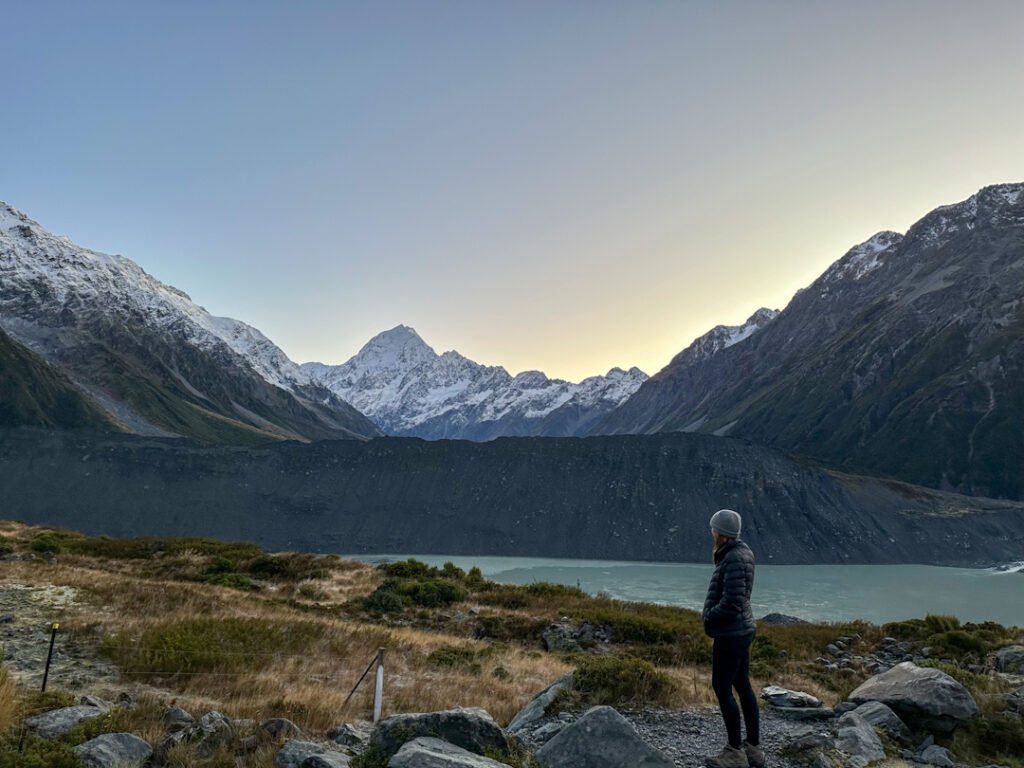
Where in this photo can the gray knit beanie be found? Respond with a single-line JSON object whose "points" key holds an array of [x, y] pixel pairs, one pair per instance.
{"points": [[727, 523]]}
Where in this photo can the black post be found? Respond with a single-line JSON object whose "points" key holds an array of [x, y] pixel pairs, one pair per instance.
{"points": [[49, 655]]}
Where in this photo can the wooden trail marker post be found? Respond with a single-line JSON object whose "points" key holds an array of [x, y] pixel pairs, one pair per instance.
{"points": [[49, 654]]}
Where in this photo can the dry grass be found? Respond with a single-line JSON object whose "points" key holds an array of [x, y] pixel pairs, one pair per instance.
{"points": [[308, 685], [8, 701]]}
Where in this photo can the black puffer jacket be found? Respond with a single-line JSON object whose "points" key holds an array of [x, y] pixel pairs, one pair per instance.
{"points": [[727, 610]]}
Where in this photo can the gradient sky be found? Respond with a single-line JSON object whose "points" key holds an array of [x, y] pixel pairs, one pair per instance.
{"points": [[556, 185]]}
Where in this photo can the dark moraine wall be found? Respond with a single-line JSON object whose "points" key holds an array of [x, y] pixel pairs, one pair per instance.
{"points": [[622, 497]]}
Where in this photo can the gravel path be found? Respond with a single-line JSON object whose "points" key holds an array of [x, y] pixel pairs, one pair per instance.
{"points": [[26, 613], [691, 735]]}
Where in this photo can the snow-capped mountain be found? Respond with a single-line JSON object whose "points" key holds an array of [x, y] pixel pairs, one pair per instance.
{"points": [[722, 337], [904, 358], [406, 388], [156, 360]]}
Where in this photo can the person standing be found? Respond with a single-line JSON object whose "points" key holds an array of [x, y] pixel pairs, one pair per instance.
{"points": [[729, 620]]}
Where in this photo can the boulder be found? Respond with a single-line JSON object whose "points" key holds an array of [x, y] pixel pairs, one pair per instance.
{"points": [[280, 728], [780, 618], [469, 728], [809, 739], [1015, 700], [857, 738], [177, 719], [93, 701], [881, 716], [57, 722], [785, 698], [1011, 659], [601, 738], [114, 750], [922, 697], [348, 735], [213, 732], [294, 753], [428, 752], [326, 760], [935, 755], [547, 731], [539, 704]]}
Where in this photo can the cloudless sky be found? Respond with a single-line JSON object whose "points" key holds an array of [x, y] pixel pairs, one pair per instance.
{"points": [[558, 185]]}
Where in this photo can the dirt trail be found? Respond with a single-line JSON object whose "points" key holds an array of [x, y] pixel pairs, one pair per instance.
{"points": [[26, 614]]}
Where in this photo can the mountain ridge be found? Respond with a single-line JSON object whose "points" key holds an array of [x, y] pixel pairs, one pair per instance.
{"points": [[148, 354], [904, 359]]}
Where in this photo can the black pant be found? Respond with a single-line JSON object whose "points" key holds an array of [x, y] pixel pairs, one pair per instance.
{"points": [[730, 668]]}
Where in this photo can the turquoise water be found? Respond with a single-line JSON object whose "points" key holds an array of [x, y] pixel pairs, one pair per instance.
{"points": [[876, 593]]}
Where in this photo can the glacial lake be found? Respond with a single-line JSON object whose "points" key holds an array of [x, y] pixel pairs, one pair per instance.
{"points": [[876, 593]]}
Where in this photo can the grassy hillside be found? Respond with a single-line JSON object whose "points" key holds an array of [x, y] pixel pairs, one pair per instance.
{"points": [[227, 626], [33, 393]]}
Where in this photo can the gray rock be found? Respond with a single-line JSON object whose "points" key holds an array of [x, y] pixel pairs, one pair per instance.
{"points": [[843, 707], [936, 755], [280, 728], [928, 741], [547, 731], [92, 701], [601, 738], [177, 719], [114, 750], [784, 698], [1015, 699], [6, 618], [294, 752], [881, 716], [808, 739], [326, 760], [560, 637], [858, 739], [213, 732], [538, 705], [428, 752], [922, 697], [1011, 659], [780, 618], [822, 760], [470, 728], [57, 722], [348, 735], [803, 713]]}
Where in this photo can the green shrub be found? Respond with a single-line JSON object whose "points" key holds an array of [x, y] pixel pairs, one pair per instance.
{"points": [[408, 569], [935, 624], [219, 565], [436, 593], [208, 645], [6, 545], [629, 627], [233, 580], [992, 737], [48, 542], [956, 642], [450, 656], [520, 628], [383, 600], [501, 673], [37, 753], [617, 680]]}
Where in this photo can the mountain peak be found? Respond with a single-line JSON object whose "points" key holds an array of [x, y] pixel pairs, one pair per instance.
{"points": [[399, 348]]}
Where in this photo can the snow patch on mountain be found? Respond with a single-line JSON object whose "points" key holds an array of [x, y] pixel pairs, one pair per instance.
{"points": [[401, 383], [722, 337]]}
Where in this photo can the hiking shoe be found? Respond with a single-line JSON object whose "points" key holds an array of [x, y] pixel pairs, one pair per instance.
{"points": [[730, 757], [755, 755]]}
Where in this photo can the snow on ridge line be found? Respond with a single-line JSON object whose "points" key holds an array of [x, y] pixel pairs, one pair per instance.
{"points": [[113, 280]]}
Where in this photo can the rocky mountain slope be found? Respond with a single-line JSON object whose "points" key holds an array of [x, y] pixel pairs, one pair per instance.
{"points": [[406, 388], [34, 393], [905, 358], [625, 498], [154, 360]]}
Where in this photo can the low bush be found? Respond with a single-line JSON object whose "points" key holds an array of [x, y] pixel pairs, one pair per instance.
{"points": [[510, 628], [207, 645], [383, 600], [621, 680], [450, 656], [233, 580]]}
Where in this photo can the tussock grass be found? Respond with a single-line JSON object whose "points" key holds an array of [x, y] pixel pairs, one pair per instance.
{"points": [[8, 703]]}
